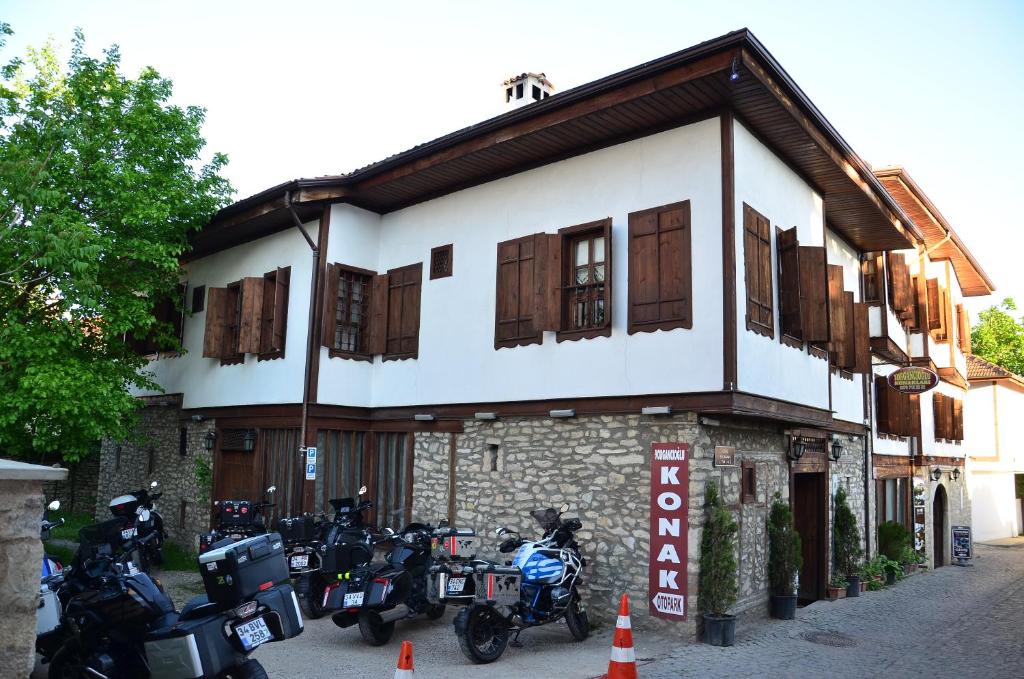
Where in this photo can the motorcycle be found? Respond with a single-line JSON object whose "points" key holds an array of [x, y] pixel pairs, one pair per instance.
{"points": [[140, 507], [322, 553], [121, 624], [51, 578], [236, 520], [540, 587]]}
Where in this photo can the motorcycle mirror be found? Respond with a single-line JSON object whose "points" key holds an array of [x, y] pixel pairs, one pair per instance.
{"points": [[501, 531], [362, 490], [53, 506], [271, 490], [154, 484], [389, 531], [564, 508]]}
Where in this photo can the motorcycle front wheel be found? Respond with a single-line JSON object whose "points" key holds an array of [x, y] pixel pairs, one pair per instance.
{"points": [[483, 634], [66, 663], [375, 633], [313, 601], [576, 618]]}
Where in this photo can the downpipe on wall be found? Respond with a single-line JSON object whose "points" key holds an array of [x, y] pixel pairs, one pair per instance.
{"points": [[311, 344]]}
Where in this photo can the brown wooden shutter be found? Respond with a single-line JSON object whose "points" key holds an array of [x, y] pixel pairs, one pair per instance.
{"points": [[907, 423], [214, 335], [847, 353], [919, 319], [660, 269], [934, 306], [899, 286], [330, 317], [279, 327], [250, 321], [376, 338], [789, 283], [813, 294], [958, 420], [947, 315], [861, 339], [836, 315], [963, 328], [914, 401], [896, 420], [939, 414], [412, 285], [515, 321], [874, 277], [548, 281], [757, 259], [882, 399]]}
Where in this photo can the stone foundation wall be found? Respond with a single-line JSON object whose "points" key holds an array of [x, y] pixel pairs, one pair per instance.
{"points": [[155, 455], [958, 511], [848, 472], [21, 553], [78, 492]]}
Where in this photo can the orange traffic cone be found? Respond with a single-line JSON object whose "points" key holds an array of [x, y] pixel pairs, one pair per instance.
{"points": [[404, 668], [622, 664]]}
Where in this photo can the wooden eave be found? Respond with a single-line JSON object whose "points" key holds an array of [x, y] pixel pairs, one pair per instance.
{"points": [[940, 239], [675, 90]]}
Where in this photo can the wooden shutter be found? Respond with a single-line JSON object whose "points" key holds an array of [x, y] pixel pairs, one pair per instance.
{"points": [[757, 260], [330, 315], [250, 321], [914, 403], [846, 354], [789, 283], [958, 420], [882, 399], [907, 416], [874, 277], [947, 316], [813, 294], [660, 269], [403, 315], [548, 281], [214, 335], [861, 339], [275, 310], [836, 316], [919, 319], [963, 329], [934, 308], [376, 338], [896, 419], [939, 415], [899, 286], [517, 293]]}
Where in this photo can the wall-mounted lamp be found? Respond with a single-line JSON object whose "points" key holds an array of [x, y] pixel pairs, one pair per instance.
{"points": [[656, 410], [734, 74], [835, 450], [486, 416], [568, 412], [796, 448], [423, 417], [955, 473], [249, 441], [211, 438], [936, 474]]}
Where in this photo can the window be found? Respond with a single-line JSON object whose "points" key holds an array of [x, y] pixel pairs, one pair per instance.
{"points": [[348, 333], [757, 267], [274, 318], [508, 95], [441, 261], [874, 277], [948, 416], [248, 317], [535, 91], [150, 461], [182, 513], [963, 329], [749, 482], [584, 298], [169, 311], [803, 304], [519, 91], [939, 311], [198, 298], [383, 462], [660, 273], [896, 413], [182, 442], [892, 497], [515, 315]]}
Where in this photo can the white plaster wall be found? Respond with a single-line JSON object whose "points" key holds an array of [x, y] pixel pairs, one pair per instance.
{"points": [[928, 443], [457, 360], [980, 420], [995, 511], [765, 366], [204, 381]]}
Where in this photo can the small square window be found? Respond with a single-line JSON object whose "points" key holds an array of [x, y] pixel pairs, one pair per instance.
{"points": [[508, 95], [198, 298], [749, 483], [519, 91], [536, 93], [441, 261]]}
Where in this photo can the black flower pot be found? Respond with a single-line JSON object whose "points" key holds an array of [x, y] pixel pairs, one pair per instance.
{"points": [[853, 589], [890, 577], [719, 630], [783, 607]]}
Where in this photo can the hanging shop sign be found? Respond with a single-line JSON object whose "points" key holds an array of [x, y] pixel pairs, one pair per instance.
{"points": [[962, 542], [913, 380], [670, 483]]}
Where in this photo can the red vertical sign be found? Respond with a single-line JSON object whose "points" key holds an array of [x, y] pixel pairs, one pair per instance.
{"points": [[670, 484]]}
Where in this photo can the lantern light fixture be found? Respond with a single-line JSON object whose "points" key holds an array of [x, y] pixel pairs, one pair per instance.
{"points": [[249, 441], [796, 448], [936, 474], [955, 474], [211, 438], [835, 450]]}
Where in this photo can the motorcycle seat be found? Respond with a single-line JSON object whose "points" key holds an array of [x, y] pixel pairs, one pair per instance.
{"points": [[198, 607]]}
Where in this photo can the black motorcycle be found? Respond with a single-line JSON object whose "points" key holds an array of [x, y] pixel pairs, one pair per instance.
{"points": [[320, 554], [50, 580], [378, 595], [140, 507], [237, 520], [539, 586], [120, 625]]}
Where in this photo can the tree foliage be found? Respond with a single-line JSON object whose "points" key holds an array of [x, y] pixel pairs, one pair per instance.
{"points": [[846, 537], [100, 183], [717, 584], [784, 554], [999, 337]]}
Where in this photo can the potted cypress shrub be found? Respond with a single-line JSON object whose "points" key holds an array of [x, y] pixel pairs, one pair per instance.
{"points": [[717, 581], [784, 559], [847, 544]]}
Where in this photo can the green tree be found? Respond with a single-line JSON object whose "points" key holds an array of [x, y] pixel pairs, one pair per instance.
{"points": [[999, 337], [784, 554], [716, 590], [101, 181], [846, 537]]}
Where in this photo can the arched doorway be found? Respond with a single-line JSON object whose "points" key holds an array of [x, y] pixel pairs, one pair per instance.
{"points": [[939, 526]]}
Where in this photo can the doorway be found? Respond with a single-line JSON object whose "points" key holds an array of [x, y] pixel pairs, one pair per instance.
{"points": [[939, 526], [809, 514]]}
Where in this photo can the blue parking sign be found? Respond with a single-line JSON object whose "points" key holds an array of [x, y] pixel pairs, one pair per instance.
{"points": [[311, 471]]}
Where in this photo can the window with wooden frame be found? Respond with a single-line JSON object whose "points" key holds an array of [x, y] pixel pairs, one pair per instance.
{"points": [[347, 303], [518, 290], [381, 461], [873, 268], [948, 417], [892, 501], [249, 316], [939, 311], [757, 267], [585, 302], [198, 298], [748, 484], [896, 413], [441, 261], [963, 329], [660, 269], [901, 296], [169, 311]]}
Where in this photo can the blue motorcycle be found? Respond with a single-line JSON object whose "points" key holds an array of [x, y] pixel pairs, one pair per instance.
{"points": [[538, 587]]}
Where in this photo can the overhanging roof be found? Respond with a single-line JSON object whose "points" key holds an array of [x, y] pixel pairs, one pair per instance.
{"points": [[682, 87], [979, 370], [939, 237]]}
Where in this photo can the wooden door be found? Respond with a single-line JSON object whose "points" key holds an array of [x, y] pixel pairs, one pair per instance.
{"points": [[235, 476], [939, 526], [809, 515]]}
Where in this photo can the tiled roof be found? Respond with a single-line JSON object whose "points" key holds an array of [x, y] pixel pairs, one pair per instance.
{"points": [[980, 369]]}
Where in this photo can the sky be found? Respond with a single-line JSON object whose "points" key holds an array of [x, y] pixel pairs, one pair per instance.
{"points": [[301, 89]]}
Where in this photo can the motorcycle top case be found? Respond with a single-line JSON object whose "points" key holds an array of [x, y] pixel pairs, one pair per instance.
{"points": [[238, 571], [235, 513], [189, 649], [297, 529], [455, 544], [497, 585]]}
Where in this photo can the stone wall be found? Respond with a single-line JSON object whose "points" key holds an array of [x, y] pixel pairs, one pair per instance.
{"points": [[154, 454], [78, 492], [958, 511], [848, 472]]}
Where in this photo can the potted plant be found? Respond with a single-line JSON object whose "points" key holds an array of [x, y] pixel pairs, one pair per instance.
{"points": [[784, 559], [893, 570], [837, 587], [717, 581], [910, 559], [871, 577], [846, 540], [893, 539]]}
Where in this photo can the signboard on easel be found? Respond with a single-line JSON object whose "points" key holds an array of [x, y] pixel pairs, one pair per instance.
{"points": [[961, 543]]}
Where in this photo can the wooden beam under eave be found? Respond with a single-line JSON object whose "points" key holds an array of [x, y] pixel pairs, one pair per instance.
{"points": [[676, 76], [312, 194], [255, 211]]}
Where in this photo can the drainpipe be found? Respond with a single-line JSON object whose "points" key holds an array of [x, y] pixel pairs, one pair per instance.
{"points": [[311, 344]]}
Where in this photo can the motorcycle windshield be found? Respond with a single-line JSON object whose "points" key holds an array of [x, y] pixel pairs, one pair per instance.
{"points": [[547, 518]]}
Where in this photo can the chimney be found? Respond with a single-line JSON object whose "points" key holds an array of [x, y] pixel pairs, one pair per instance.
{"points": [[527, 88]]}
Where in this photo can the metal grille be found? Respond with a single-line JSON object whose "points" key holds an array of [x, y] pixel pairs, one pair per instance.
{"points": [[587, 287], [353, 303], [829, 639]]}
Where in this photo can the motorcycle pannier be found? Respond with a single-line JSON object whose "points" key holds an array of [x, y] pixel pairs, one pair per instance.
{"points": [[456, 544], [297, 529], [498, 585], [240, 570], [282, 600], [348, 553], [450, 584], [189, 648]]}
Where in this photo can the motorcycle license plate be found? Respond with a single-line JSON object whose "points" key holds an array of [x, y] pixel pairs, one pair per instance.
{"points": [[353, 599], [300, 561], [129, 533], [456, 585], [253, 633]]}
